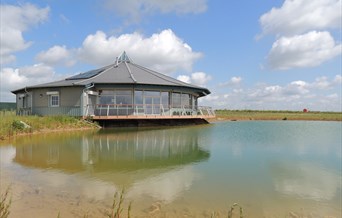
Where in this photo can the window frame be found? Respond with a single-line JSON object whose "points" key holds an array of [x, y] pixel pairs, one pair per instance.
{"points": [[52, 101]]}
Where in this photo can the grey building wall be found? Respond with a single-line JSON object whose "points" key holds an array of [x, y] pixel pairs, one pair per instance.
{"points": [[71, 96], [69, 101], [40, 99], [68, 97]]}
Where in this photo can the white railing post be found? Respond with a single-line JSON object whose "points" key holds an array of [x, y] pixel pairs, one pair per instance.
{"points": [[162, 108], [200, 109], [87, 109], [208, 111]]}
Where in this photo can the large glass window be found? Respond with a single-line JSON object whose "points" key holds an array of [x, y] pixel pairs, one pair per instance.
{"points": [[152, 93], [176, 100], [138, 98], [165, 99], [194, 99], [186, 100], [151, 101], [123, 97], [107, 99]]}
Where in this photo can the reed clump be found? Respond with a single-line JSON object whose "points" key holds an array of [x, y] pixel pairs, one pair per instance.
{"points": [[5, 203], [230, 212], [117, 209]]}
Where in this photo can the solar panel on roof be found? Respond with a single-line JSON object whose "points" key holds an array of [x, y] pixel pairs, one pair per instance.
{"points": [[86, 75]]}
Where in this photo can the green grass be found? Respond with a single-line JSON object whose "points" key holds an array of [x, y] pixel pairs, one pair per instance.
{"points": [[277, 115], [11, 124]]}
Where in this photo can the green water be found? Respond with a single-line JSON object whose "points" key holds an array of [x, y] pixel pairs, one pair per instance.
{"points": [[271, 169]]}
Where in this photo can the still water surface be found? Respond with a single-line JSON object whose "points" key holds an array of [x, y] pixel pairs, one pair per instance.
{"points": [[271, 169]]}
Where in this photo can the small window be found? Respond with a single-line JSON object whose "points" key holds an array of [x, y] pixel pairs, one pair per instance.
{"points": [[54, 100]]}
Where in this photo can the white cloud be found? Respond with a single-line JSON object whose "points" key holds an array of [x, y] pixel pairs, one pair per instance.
{"points": [[12, 79], [322, 94], [300, 16], [163, 51], [136, 9], [197, 78], [170, 185], [296, 88], [37, 72], [234, 81], [338, 79], [307, 181], [14, 20], [308, 50], [184, 78], [56, 55], [301, 28], [200, 78], [210, 98], [267, 91], [322, 83]]}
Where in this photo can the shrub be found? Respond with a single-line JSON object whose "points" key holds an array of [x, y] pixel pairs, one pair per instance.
{"points": [[17, 125]]}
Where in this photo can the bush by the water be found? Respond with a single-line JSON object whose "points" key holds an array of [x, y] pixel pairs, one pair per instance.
{"points": [[17, 125]]}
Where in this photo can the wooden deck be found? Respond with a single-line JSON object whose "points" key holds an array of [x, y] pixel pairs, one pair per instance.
{"points": [[151, 117]]}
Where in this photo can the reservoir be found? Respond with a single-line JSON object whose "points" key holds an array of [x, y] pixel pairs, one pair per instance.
{"points": [[269, 168]]}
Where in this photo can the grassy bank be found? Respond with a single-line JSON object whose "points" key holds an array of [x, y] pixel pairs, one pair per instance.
{"points": [[12, 125], [277, 115]]}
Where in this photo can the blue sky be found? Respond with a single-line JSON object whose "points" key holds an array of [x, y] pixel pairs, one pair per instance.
{"points": [[272, 55]]}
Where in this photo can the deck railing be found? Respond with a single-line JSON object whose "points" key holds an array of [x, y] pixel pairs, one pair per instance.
{"points": [[107, 110], [70, 111], [123, 110]]}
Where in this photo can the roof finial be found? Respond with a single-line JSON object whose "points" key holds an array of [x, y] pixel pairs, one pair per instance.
{"points": [[124, 58]]}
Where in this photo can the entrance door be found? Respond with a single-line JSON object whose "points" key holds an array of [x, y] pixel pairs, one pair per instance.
{"points": [[152, 105]]}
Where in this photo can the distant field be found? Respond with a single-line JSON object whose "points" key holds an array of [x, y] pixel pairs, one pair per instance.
{"points": [[277, 115]]}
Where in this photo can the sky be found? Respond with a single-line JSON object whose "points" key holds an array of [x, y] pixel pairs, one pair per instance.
{"points": [[255, 55]]}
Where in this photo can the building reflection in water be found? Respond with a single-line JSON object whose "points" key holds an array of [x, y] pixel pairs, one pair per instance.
{"points": [[120, 151], [158, 163]]}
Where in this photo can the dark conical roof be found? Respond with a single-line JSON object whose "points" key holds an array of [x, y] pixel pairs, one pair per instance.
{"points": [[123, 71]]}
